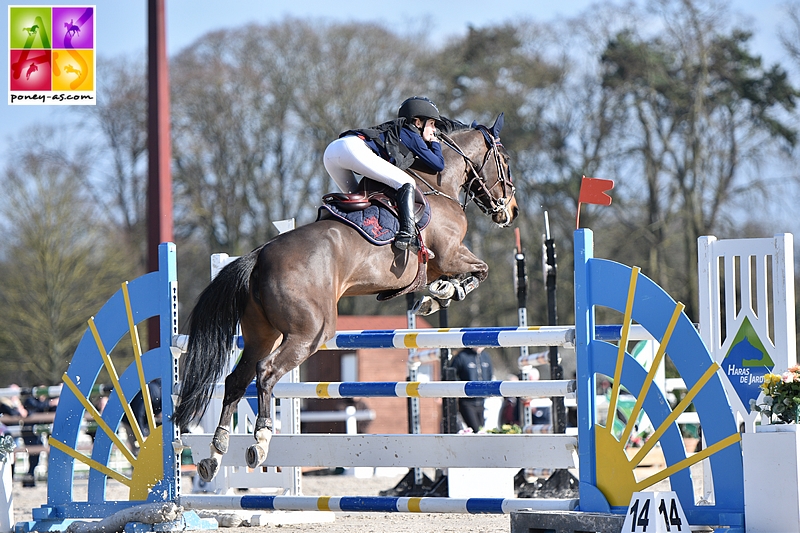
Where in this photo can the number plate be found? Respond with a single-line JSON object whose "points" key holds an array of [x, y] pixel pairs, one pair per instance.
{"points": [[655, 512]]}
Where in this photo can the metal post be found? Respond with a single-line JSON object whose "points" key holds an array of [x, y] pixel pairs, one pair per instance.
{"points": [[559, 413], [449, 405], [521, 286], [414, 423], [159, 148]]}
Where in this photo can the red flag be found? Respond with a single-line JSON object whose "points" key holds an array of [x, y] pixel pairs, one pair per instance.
{"points": [[593, 191]]}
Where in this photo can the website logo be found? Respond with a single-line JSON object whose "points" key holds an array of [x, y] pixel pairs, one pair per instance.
{"points": [[51, 55]]}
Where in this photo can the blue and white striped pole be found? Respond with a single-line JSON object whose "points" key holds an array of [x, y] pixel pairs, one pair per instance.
{"points": [[379, 504]]}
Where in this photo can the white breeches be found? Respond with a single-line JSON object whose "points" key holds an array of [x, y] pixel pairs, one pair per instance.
{"points": [[350, 154]]}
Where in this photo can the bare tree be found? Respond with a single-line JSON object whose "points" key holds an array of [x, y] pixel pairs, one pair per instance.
{"points": [[702, 107], [120, 127], [59, 264]]}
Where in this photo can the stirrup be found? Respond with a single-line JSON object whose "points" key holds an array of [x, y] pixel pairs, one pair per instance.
{"points": [[404, 241]]}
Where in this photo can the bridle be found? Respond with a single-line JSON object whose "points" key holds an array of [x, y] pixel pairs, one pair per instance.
{"points": [[475, 187]]}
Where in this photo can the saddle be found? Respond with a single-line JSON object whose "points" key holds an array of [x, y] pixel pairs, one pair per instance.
{"points": [[372, 210], [370, 192]]}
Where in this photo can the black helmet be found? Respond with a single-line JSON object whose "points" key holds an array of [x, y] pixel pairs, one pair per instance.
{"points": [[418, 106]]}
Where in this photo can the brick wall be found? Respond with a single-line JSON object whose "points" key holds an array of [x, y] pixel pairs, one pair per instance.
{"points": [[373, 365]]}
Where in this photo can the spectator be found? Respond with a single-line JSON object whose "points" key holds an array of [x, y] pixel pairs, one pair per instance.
{"points": [[99, 404], [472, 364], [11, 406], [35, 403], [511, 409]]}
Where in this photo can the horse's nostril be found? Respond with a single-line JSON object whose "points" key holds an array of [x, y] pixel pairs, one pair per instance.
{"points": [[514, 212]]}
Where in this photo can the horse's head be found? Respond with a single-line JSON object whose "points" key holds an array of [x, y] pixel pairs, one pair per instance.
{"points": [[488, 176]]}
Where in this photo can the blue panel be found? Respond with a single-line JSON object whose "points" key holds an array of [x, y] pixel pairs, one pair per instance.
{"points": [[485, 505], [113, 415], [381, 504], [482, 389], [266, 503], [378, 389], [584, 329], [608, 333], [112, 324], [483, 337], [372, 340]]}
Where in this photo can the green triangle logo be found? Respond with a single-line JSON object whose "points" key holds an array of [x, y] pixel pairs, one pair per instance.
{"points": [[747, 332]]}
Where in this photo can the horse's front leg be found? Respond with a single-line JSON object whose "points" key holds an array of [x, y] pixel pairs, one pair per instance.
{"points": [[454, 260], [456, 289], [458, 272], [235, 387]]}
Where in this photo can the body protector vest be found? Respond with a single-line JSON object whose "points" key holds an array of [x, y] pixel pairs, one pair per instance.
{"points": [[387, 137]]}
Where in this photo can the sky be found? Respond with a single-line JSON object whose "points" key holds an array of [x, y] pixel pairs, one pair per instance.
{"points": [[121, 28]]}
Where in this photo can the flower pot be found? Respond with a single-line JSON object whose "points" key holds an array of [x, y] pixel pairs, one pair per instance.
{"points": [[772, 478]]}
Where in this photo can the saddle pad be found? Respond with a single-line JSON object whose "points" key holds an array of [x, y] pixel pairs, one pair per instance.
{"points": [[376, 223]]}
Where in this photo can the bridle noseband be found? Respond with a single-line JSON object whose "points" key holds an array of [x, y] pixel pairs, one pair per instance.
{"points": [[482, 197]]}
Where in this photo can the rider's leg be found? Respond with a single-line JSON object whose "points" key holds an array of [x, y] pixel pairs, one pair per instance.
{"points": [[337, 160], [350, 154], [406, 238]]}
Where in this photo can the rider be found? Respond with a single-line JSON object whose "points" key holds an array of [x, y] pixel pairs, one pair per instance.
{"points": [[384, 152]]}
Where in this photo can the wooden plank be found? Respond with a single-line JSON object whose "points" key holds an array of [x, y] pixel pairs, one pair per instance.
{"points": [[426, 451]]}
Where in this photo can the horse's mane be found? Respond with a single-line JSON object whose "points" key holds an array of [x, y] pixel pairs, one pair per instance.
{"points": [[448, 125]]}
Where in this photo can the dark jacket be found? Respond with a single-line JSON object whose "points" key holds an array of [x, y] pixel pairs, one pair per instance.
{"points": [[472, 366], [401, 145]]}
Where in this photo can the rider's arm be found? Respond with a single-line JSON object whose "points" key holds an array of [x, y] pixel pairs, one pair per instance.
{"points": [[431, 154]]}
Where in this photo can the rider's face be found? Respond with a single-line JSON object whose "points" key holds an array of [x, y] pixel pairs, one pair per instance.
{"points": [[428, 129]]}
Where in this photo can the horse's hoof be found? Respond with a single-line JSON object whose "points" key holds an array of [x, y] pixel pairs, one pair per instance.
{"points": [[255, 455], [464, 287], [425, 306], [207, 469], [442, 289]]}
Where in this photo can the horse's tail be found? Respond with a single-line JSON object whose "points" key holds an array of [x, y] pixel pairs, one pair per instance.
{"points": [[212, 330]]}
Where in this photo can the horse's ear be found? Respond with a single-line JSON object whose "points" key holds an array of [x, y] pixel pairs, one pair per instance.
{"points": [[498, 125]]}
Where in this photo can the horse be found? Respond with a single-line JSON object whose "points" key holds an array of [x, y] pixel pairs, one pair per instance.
{"points": [[71, 29], [33, 68], [284, 294]]}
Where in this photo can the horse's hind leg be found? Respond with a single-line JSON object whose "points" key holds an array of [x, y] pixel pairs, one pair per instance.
{"points": [[287, 356], [262, 431], [235, 387]]}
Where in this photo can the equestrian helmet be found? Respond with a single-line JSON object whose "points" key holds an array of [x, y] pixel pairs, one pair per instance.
{"points": [[418, 106]]}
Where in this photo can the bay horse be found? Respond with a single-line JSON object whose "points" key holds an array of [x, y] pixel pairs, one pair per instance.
{"points": [[284, 294]]}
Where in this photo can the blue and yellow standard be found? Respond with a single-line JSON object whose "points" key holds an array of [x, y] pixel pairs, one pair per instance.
{"points": [[608, 459], [152, 474]]}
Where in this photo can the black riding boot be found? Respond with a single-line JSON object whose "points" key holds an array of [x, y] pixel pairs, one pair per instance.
{"points": [[406, 238]]}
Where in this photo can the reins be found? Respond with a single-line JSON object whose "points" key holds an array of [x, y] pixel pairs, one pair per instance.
{"points": [[474, 177]]}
